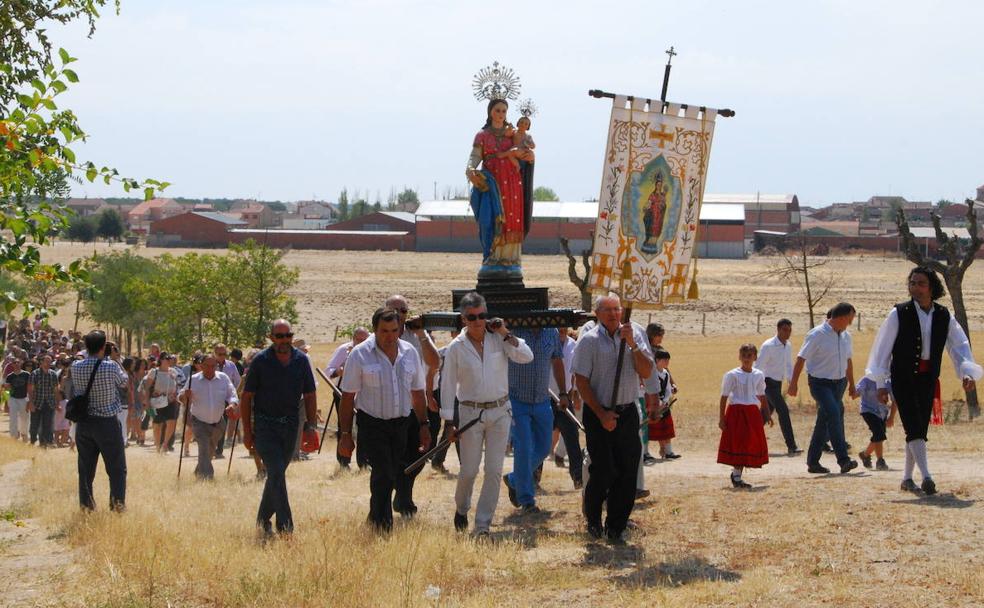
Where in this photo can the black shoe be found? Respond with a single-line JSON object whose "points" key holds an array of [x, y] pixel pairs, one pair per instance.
{"points": [[672, 455], [929, 486], [881, 465], [848, 466], [649, 460], [614, 538], [512, 491], [460, 522], [440, 468], [817, 468], [218, 457], [909, 486], [595, 531], [559, 461], [640, 494], [529, 509], [794, 451], [865, 459]]}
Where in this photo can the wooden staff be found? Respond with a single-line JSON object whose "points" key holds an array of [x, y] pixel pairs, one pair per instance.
{"points": [[647, 419], [568, 411], [626, 315], [184, 424], [416, 464], [235, 431], [336, 397]]}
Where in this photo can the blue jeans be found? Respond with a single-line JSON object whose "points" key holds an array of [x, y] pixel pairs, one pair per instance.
{"points": [[829, 396], [274, 442], [532, 433]]}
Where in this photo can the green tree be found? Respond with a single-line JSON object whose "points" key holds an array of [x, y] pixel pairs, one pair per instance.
{"points": [[82, 229], [110, 225], [408, 200], [542, 193], [360, 208], [343, 205], [263, 283], [36, 136], [112, 298], [44, 295]]}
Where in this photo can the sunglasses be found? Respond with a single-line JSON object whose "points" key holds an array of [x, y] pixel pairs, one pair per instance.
{"points": [[481, 315], [289, 334]]}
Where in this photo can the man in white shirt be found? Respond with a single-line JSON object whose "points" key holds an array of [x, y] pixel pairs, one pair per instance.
{"points": [[908, 351], [775, 359], [335, 369], [384, 380], [826, 354], [475, 370], [212, 399]]}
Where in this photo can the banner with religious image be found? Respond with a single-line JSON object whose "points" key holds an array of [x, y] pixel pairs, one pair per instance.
{"points": [[651, 190]]}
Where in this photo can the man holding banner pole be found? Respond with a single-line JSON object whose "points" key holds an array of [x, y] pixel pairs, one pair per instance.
{"points": [[611, 425]]}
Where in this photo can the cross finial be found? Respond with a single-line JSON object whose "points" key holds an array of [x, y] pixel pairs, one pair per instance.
{"points": [[672, 54]]}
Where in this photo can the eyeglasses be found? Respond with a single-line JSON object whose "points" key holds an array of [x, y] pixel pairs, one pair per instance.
{"points": [[481, 315], [281, 336]]}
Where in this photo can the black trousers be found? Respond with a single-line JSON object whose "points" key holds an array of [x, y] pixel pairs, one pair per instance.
{"points": [[570, 434], [614, 465], [274, 442], [43, 425], [101, 436], [777, 403], [914, 398], [411, 452], [384, 442]]}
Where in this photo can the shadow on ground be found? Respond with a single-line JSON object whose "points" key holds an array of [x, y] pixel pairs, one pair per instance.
{"points": [[676, 573], [942, 501]]}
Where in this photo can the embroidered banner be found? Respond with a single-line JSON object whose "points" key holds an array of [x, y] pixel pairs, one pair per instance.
{"points": [[651, 190]]}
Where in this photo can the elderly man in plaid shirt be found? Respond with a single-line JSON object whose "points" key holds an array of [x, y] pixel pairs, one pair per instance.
{"points": [[532, 414], [101, 432]]}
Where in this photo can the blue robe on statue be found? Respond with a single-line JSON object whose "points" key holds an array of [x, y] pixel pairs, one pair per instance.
{"points": [[487, 207]]}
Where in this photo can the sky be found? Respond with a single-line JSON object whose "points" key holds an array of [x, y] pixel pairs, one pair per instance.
{"points": [[836, 101]]}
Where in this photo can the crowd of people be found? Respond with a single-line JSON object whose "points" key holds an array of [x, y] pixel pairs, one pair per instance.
{"points": [[494, 389]]}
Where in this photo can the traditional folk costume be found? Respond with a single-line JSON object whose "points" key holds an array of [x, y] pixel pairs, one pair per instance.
{"points": [[743, 441], [908, 350], [661, 428]]}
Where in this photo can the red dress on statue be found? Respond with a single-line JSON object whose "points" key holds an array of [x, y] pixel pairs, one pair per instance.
{"points": [[509, 182]]}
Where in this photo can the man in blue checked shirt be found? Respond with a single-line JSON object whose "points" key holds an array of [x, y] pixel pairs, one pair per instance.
{"points": [[100, 433], [532, 423]]}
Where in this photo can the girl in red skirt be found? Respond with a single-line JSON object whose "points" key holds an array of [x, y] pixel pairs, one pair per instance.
{"points": [[742, 433]]}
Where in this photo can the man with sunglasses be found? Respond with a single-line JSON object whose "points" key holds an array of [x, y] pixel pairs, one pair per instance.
{"points": [[477, 373], [611, 426], [277, 379], [415, 336]]}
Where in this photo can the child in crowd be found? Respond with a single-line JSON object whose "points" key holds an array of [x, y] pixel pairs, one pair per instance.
{"points": [[743, 410], [878, 417], [659, 392]]}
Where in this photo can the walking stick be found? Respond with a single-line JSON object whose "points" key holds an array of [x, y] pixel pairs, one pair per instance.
{"points": [[336, 397], [235, 431], [416, 464], [184, 424], [568, 411], [646, 420]]}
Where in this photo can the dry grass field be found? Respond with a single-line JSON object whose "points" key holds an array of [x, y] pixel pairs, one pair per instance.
{"points": [[795, 540]]}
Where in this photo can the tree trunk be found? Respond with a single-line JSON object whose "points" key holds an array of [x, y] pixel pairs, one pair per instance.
{"points": [[78, 309], [954, 285]]}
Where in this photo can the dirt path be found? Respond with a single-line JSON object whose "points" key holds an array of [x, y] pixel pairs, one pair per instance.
{"points": [[32, 558]]}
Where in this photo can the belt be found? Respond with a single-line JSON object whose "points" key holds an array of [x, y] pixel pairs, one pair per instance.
{"points": [[619, 408], [265, 418], [485, 405]]}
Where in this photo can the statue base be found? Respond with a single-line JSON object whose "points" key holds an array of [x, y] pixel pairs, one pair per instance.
{"points": [[493, 277], [527, 307]]}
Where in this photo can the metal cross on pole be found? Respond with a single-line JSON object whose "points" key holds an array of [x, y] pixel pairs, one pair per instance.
{"points": [[666, 74]]}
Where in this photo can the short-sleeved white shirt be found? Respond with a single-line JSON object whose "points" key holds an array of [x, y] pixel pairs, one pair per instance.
{"points": [[743, 387], [382, 388]]}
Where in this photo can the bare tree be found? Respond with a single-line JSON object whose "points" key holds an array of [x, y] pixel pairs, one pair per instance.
{"points": [[958, 255], [583, 284], [796, 265]]}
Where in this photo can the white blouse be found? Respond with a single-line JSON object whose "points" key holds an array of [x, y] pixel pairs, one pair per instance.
{"points": [[743, 387]]}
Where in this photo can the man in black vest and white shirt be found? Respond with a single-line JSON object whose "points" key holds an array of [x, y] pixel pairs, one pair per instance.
{"points": [[908, 350]]}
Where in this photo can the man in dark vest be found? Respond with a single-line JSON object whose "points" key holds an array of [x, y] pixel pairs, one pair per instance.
{"points": [[908, 350]]}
